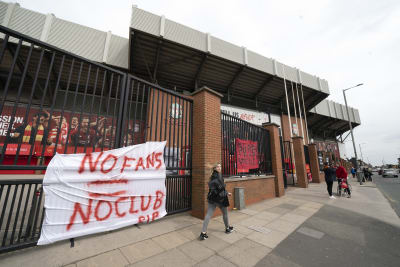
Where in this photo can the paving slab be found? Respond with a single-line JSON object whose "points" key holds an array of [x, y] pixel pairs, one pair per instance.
{"points": [[271, 240], [170, 258], [278, 210], [249, 211], [245, 252], [112, 258], [196, 251], [191, 232], [304, 211], [288, 206], [267, 216], [252, 221], [282, 226], [294, 218], [230, 238], [273, 260], [141, 250], [215, 260], [170, 240], [214, 243]]}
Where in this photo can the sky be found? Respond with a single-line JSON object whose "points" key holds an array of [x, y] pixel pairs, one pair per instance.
{"points": [[346, 42]]}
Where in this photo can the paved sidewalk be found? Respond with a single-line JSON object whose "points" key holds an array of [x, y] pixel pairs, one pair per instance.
{"points": [[264, 234]]}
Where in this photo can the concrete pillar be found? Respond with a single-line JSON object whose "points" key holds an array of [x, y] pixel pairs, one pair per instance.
{"points": [[312, 149], [276, 157], [299, 157], [206, 150]]}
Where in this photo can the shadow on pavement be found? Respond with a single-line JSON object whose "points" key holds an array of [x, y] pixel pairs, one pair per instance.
{"points": [[348, 239]]}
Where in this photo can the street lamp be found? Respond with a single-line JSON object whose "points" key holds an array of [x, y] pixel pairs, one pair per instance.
{"points": [[351, 127]]}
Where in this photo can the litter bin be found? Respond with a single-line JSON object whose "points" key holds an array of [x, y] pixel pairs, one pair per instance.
{"points": [[239, 198]]}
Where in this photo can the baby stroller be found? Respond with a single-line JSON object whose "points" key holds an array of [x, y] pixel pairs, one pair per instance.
{"points": [[343, 188]]}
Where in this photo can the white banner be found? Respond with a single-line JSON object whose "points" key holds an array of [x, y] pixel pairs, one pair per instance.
{"points": [[102, 191], [252, 116]]}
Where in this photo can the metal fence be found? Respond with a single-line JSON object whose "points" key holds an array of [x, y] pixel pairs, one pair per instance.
{"points": [[22, 212], [233, 128], [53, 101], [306, 154], [168, 117], [288, 162]]}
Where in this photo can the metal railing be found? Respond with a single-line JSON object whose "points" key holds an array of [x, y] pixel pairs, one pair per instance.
{"points": [[232, 128], [21, 213], [168, 117], [54, 101], [288, 162]]}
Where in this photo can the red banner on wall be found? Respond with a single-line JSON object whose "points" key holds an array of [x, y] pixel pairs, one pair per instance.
{"points": [[246, 155]]}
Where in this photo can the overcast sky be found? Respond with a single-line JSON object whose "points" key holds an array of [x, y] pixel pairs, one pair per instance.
{"points": [[345, 42]]}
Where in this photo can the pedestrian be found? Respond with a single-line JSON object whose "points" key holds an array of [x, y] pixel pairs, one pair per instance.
{"points": [[330, 177], [217, 197], [341, 175], [353, 172]]}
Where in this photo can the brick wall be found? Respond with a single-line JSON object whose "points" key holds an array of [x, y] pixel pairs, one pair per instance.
{"points": [[255, 190], [286, 129], [206, 145]]}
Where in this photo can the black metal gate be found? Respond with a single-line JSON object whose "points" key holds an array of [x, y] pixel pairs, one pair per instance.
{"points": [[54, 101], [153, 113], [288, 162], [306, 155], [233, 128]]}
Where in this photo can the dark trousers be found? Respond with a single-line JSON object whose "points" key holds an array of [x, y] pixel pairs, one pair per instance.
{"points": [[329, 187]]}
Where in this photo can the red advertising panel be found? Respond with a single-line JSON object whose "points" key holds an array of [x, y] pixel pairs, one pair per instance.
{"points": [[35, 133], [246, 155]]}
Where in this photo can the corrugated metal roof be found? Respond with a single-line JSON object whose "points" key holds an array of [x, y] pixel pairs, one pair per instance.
{"points": [[151, 24], [336, 110], [72, 37]]}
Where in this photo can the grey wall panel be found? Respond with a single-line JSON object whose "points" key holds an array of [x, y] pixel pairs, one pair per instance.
{"points": [[3, 10], [351, 113], [184, 35], [226, 50], [324, 86], [335, 110], [309, 80], [279, 69], [145, 21], [27, 22], [357, 116], [118, 52], [80, 40], [291, 73], [260, 62], [339, 111], [323, 108], [344, 112]]}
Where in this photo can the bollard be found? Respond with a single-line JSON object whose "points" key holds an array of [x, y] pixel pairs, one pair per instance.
{"points": [[239, 198]]}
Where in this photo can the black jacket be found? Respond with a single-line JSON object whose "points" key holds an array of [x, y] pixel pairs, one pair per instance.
{"points": [[217, 193], [330, 174]]}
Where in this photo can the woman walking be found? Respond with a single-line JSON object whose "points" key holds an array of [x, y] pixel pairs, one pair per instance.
{"points": [[330, 177], [217, 196]]}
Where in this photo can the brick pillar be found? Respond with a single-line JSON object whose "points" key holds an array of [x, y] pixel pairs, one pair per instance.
{"points": [[301, 172], [206, 147], [276, 157], [312, 149]]}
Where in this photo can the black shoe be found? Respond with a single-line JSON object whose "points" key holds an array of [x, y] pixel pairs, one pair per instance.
{"points": [[229, 230], [203, 236]]}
